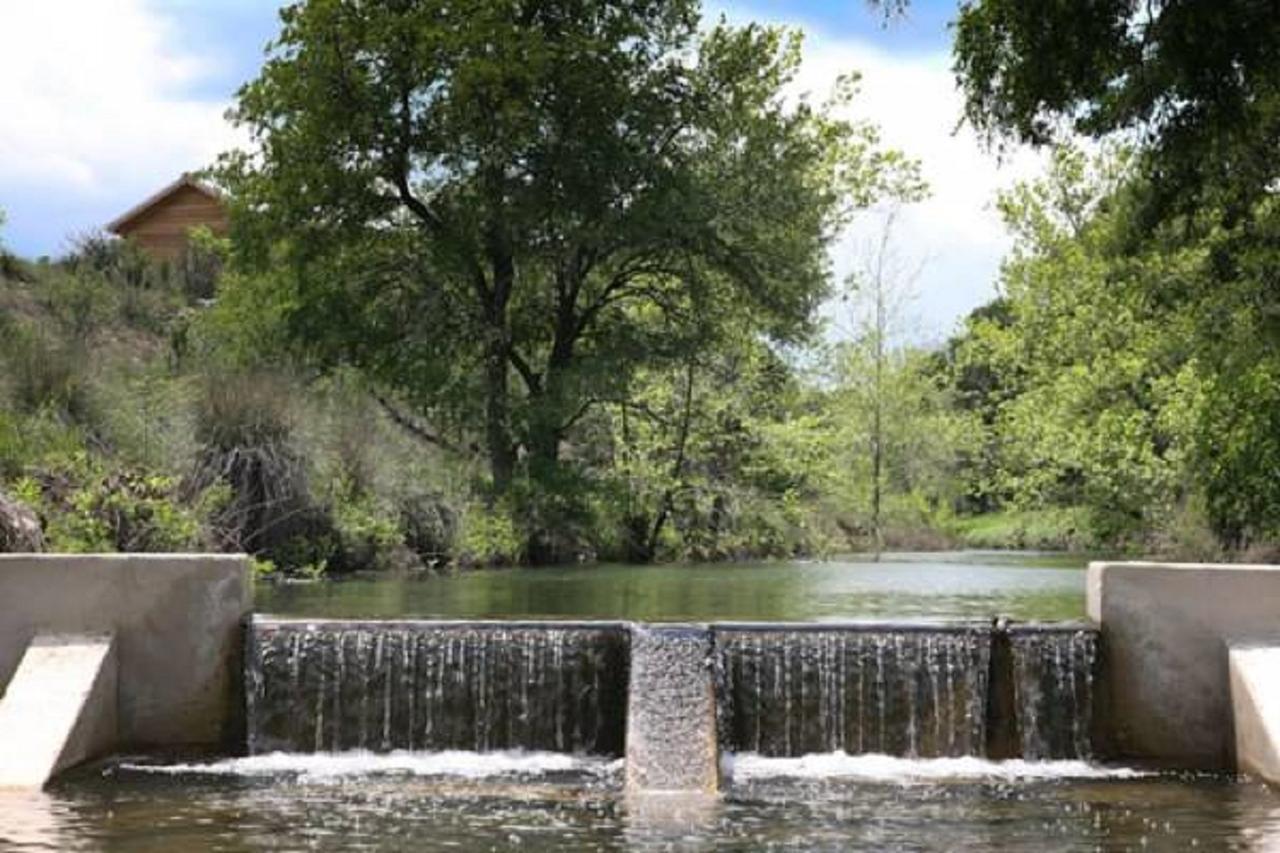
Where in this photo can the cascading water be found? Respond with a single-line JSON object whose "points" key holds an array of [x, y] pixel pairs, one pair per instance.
{"points": [[898, 690], [1054, 671], [337, 686], [783, 690]]}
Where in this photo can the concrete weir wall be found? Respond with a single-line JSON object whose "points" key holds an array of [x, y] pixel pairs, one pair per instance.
{"points": [[672, 743], [177, 628], [1167, 631]]}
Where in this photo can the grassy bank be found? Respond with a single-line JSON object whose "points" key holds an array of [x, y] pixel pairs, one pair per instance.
{"points": [[1065, 529]]}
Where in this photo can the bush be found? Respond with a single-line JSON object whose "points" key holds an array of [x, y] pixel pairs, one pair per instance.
{"points": [[79, 302], [45, 374], [86, 509], [368, 534], [429, 528], [489, 537], [29, 441], [244, 442], [145, 293]]}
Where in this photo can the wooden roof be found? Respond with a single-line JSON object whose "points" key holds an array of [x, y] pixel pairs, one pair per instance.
{"points": [[135, 213]]}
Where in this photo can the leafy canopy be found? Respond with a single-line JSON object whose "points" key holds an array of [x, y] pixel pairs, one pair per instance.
{"points": [[499, 210], [1196, 83]]}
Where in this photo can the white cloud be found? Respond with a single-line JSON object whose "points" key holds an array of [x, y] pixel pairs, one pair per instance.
{"points": [[956, 234], [91, 103]]}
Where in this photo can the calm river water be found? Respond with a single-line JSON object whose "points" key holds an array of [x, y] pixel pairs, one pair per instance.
{"points": [[532, 801], [959, 585]]}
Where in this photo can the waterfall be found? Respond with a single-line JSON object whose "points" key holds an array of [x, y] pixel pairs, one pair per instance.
{"points": [[1054, 671], [899, 690], [780, 690], [335, 686]]}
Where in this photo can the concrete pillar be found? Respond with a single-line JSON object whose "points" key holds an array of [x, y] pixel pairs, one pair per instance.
{"points": [[59, 708], [1255, 705], [1166, 628], [672, 745]]}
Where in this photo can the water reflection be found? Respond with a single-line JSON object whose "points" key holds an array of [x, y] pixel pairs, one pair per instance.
{"points": [[670, 820], [33, 820], [901, 805], [961, 585]]}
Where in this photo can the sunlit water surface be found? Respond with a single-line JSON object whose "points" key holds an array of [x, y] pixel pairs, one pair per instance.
{"points": [[542, 802], [955, 585]]}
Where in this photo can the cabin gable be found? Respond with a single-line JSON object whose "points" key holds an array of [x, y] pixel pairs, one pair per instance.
{"points": [[161, 225]]}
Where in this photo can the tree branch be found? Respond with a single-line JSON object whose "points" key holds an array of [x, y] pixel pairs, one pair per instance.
{"points": [[418, 431], [532, 380]]}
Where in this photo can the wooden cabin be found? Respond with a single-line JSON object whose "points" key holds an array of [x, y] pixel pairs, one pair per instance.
{"points": [[161, 224]]}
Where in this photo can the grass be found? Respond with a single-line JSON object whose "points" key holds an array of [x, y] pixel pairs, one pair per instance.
{"points": [[1058, 529]]}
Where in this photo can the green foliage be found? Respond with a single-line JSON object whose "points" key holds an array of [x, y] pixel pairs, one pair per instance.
{"points": [[1049, 529], [11, 267], [710, 460], [202, 262], [47, 373], [28, 441], [1133, 379], [106, 274], [489, 537], [922, 437], [89, 510], [1197, 81], [501, 237]]}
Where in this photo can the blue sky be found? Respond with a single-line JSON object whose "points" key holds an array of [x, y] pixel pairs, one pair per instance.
{"points": [[135, 92]]}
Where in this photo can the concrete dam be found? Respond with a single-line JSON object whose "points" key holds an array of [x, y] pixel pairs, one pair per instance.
{"points": [[143, 653]]}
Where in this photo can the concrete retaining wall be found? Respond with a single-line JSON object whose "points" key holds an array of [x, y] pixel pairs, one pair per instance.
{"points": [[177, 621], [1166, 629]]}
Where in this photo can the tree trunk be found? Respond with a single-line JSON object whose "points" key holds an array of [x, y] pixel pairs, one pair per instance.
{"points": [[499, 444], [498, 436]]}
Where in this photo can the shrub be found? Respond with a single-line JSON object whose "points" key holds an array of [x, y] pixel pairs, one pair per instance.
{"points": [[86, 508], [429, 528], [488, 537], [29, 441], [45, 374], [367, 532], [79, 302], [145, 293], [201, 264], [243, 439]]}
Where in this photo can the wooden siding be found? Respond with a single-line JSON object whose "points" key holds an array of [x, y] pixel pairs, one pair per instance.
{"points": [[162, 229]]}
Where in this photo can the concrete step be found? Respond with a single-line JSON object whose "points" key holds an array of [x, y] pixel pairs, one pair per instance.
{"points": [[1255, 704], [59, 708]]}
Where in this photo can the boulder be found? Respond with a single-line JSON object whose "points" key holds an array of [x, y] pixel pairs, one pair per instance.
{"points": [[19, 528]]}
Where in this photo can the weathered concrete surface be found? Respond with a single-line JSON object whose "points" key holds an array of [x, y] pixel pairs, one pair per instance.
{"points": [[1165, 630], [59, 708], [1255, 702], [178, 637], [672, 746]]}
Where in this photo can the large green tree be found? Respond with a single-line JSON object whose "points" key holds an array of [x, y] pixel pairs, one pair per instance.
{"points": [[1195, 83], [497, 210]]}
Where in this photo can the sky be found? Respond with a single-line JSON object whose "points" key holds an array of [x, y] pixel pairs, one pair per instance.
{"points": [[132, 93]]}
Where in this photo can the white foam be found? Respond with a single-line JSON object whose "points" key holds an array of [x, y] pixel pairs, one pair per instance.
{"points": [[887, 768], [331, 765]]}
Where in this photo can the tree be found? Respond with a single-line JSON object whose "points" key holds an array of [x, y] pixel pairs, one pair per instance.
{"points": [[718, 457], [883, 287], [894, 428], [498, 210], [1195, 82]]}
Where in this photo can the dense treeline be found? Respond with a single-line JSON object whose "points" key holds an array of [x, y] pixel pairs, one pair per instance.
{"points": [[139, 416], [1128, 375], [560, 303]]}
